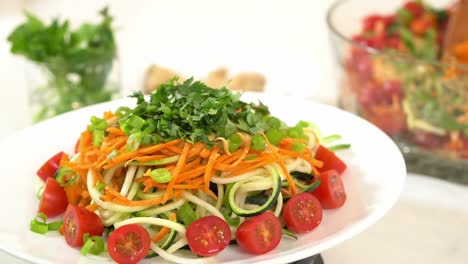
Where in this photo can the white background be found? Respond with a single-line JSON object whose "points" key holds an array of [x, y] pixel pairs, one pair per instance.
{"points": [[287, 41]]}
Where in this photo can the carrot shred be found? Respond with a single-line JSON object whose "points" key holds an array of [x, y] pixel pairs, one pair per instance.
{"points": [[209, 167], [164, 231], [175, 174]]}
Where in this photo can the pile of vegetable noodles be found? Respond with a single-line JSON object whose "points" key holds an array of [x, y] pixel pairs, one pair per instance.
{"points": [[193, 159]]}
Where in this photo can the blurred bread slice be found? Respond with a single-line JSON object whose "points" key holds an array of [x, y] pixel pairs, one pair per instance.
{"points": [[217, 78], [248, 82], [157, 75]]}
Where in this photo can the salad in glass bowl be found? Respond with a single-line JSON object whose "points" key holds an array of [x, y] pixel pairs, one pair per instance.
{"points": [[395, 75]]}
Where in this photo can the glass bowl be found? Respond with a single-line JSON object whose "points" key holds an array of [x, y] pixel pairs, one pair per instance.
{"points": [[414, 101]]}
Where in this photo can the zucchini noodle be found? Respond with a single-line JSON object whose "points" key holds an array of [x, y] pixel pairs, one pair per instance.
{"points": [[138, 172]]}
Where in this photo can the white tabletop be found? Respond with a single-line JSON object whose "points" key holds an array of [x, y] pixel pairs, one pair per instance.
{"points": [[287, 41]]}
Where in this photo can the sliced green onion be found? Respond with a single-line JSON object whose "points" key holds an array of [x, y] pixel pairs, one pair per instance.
{"points": [[186, 214], [42, 217], [258, 143], [275, 136], [234, 141], [40, 191], [339, 147], [135, 122], [288, 233], [295, 132], [100, 186], [161, 175], [65, 171], [38, 227], [331, 138], [112, 154], [134, 141], [251, 157], [39, 224], [122, 111], [55, 225], [98, 123], [92, 245], [98, 137], [298, 147]]}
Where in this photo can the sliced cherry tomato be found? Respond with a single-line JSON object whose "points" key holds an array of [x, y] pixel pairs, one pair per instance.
{"points": [[331, 192], [330, 160], [208, 235], [259, 234], [302, 213], [49, 168], [79, 221], [129, 244], [54, 200]]}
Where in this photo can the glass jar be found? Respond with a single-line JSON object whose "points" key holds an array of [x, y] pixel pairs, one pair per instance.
{"points": [[413, 100], [57, 87]]}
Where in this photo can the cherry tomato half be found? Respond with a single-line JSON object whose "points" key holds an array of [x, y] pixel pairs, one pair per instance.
{"points": [[129, 244], [208, 235], [54, 200], [259, 234], [302, 213], [331, 192], [79, 221], [49, 168], [330, 160]]}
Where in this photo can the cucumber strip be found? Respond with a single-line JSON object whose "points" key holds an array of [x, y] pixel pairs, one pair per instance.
{"points": [[177, 245], [170, 240], [157, 162], [153, 221], [279, 205], [161, 209], [276, 189], [289, 233], [312, 186], [210, 208], [148, 196]]}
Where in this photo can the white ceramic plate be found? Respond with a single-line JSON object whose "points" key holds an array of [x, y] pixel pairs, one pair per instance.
{"points": [[373, 181]]}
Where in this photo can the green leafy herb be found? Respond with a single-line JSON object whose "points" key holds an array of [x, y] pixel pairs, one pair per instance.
{"points": [[195, 112], [78, 62]]}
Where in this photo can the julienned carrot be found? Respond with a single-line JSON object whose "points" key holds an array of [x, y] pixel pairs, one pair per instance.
{"points": [[115, 131], [115, 193], [152, 149], [92, 207], [312, 161], [205, 153], [120, 158], [209, 167], [164, 231], [243, 169], [150, 157], [178, 168], [195, 150], [148, 202], [280, 162]]}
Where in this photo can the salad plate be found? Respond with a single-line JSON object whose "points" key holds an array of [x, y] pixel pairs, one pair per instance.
{"points": [[373, 181]]}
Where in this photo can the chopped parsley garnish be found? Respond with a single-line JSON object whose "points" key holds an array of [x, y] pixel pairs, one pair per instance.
{"points": [[195, 112]]}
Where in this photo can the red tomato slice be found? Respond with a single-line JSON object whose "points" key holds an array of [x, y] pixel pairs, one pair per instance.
{"points": [[330, 160], [259, 234], [54, 199], [49, 168], [331, 191], [79, 221], [208, 235], [302, 213], [129, 244]]}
